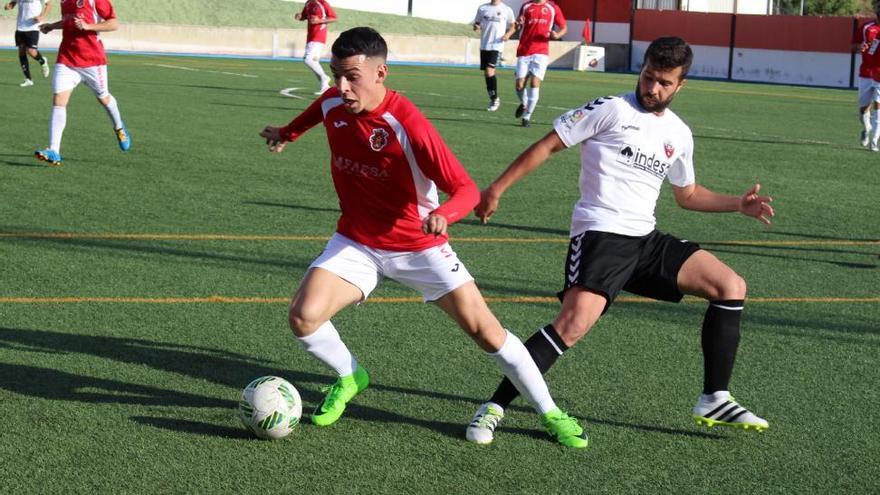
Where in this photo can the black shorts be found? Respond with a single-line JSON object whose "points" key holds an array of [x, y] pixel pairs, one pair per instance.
{"points": [[29, 39], [608, 263], [489, 58]]}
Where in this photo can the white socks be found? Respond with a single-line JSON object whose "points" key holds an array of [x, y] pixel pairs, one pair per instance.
{"points": [[865, 117], [326, 345], [518, 366], [57, 122], [532, 95], [315, 65], [875, 132], [113, 112]]}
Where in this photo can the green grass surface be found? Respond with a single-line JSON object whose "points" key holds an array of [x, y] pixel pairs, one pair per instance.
{"points": [[128, 397], [266, 14]]}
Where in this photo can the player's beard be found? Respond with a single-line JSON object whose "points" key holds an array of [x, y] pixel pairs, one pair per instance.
{"points": [[657, 106]]}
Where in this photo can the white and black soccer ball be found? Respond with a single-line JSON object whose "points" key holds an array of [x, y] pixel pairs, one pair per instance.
{"points": [[270, 407]]}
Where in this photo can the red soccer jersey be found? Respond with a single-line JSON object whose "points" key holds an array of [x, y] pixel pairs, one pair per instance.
{"points": [[387, 166], [537, 20], [322, 10], [869, 33], [83, 48]]}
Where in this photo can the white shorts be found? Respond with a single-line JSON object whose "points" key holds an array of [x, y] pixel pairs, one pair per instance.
{"points": [[67, 78], [869, 90], [314, 50], [434, 272], [535, 65]]}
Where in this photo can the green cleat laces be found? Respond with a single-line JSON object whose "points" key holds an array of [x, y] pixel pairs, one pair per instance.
{"points": [[340, 393]]}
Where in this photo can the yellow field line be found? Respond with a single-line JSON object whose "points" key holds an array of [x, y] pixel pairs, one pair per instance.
{"points": [[386, 300], [247, 237]]}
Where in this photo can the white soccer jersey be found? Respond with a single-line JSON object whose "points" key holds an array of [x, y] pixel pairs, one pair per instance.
{"points": [[27, 11], [494, 21], [626, 154]]}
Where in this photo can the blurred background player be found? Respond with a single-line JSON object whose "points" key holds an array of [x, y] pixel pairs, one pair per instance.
{"points": [[866, 40], [537, 19], [81, 58], [496, 24], [388, 164], [630, 144], [27, 35], [317, 13]]}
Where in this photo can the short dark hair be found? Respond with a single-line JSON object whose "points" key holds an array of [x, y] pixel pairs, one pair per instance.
{"points": [[360, 41], [668, 53]]}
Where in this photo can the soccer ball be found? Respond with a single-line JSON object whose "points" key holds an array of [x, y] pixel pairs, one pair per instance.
{"points": [[270, 407]]}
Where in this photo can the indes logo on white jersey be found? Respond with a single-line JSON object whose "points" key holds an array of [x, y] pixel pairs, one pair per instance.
{"points": [[379, 139], [632, 156]]}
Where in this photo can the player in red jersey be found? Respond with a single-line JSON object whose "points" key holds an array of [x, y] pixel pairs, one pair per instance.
{"points": [[81, 58], [865, 41], [318, 14], [537, 19], [388, 163]]}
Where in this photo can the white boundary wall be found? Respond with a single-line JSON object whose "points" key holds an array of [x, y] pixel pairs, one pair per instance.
{"points": [[282, 43]]}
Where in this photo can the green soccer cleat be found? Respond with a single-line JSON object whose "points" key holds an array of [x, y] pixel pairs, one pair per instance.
{"points": [[340, 393], [565, 429]]}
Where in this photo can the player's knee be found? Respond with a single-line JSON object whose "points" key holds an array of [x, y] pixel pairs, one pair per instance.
{"points": [[302, 321], [732, 287]]}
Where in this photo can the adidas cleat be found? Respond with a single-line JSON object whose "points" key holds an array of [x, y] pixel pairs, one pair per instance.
{"points": [[124, 138], [494, 105], [49, 156], [44, 68], [26, 83], [483, 424], [565, 429], [339, 394], [526, 122], [725, 411]]}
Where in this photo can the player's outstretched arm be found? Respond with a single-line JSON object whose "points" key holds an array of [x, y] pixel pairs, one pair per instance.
{"points": [[698, 198], [99, 27], [273, 139], [46, 28], [524, 164]]}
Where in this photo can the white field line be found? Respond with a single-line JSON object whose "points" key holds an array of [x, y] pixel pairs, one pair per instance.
{"points": [[181, 67]]}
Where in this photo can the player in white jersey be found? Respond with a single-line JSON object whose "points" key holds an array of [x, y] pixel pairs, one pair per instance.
{"points": [[630, 144], [496, 24], [27, 35]]}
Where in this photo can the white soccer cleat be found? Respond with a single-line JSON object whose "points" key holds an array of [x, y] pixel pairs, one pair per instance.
{"points": [[26, 83], [45, 69], [874, 146], [720, 409], [865, 138], [494, 105], [485, 420], [325, 85]]}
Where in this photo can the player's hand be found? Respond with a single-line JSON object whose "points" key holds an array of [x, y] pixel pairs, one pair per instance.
{"points": [[435, 224], [487, 205], [45, 28], [81, 24], [8, 6], [297, 16], [505, 38], [273, 139], [554, 35], [864, 46], [753, 205]]}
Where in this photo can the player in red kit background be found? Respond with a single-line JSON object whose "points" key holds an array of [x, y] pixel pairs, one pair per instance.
{"points": [[388, 164], [537, 19], [318, 14], [81, 58], [866, 40]]}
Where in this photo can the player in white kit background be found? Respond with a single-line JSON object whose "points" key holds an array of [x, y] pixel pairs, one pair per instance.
{"points": [[81, 58], [496, 24], [31, 14], [388, 164], [630, 144]]}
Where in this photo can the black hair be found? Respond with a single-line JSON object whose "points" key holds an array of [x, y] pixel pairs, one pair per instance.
{"points": [[360, 41], [668, 53]]}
